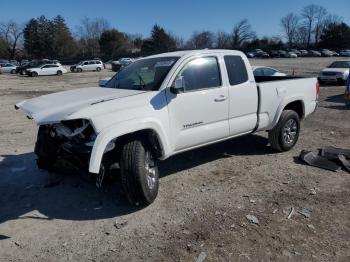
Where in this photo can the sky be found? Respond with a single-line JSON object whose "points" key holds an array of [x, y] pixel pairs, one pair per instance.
{"points": [[181, 17]]}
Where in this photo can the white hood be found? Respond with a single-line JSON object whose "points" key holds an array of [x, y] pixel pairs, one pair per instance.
{"points": [[56, 107]]}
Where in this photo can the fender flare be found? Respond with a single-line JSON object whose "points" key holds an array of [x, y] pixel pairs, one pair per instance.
{"points": [[283, 104], [124, 128]]}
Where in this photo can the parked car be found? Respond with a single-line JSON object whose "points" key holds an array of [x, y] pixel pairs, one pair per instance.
{"points": [[88, 65], [345, 52], [46, 70], [283, 53], [337, 72], [156, 108], [295, 51], [291, 55], [8, 68], [266, 71], [274, 54], [22, 69], [314, 53], [103, 82], [326, 53], [304, 53], [122, 62], [4, 61]]}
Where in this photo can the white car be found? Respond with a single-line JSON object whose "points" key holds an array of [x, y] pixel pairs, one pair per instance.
{"points": [[47, 70], [266, 71], [163, 105], [292, 55], [8, 68], [337, 72], [345, 52], [89, 65]]}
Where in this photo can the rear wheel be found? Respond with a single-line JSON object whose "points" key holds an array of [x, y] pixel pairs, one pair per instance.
{"points": [[79, 70], [13, 71], [22, 72], [59, 73], [98, 69], [34, 74], [139, 172], [285, 134]]}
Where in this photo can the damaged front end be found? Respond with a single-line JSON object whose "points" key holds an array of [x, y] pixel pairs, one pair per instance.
{"points": [[66, 144]]}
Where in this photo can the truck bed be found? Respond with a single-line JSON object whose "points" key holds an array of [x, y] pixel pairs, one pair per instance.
{"points": [[260, 79]]}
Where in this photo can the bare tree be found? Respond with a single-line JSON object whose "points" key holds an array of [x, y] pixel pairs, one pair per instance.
{"points": [[201, 40], [90, 31], [11, 33], [321, 15], [242, 32], [309, 14], [290, 25], [223, 40]]}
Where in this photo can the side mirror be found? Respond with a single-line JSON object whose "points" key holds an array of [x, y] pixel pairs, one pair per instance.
{"points": [[179, 85]]}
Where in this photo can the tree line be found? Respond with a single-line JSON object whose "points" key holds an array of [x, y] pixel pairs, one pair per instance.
{"points": [[41, 37]]}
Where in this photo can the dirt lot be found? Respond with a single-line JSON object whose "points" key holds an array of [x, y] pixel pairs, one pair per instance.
{"points": [[204, 195]]}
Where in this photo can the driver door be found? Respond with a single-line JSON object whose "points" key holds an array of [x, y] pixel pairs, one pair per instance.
{"points": [[199, 114]]}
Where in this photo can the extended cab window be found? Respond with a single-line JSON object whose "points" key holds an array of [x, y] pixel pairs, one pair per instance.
{"points": [[201, 73], [236, 69]]}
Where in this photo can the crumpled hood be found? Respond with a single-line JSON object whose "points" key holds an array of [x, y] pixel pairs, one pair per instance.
{"points": [[59, 106]]}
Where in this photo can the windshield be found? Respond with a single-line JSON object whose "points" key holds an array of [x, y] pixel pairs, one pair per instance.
{"points": [[340, 64], [146, 74]]}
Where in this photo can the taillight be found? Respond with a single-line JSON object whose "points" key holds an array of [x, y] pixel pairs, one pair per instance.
{"points": [[317, 88]]}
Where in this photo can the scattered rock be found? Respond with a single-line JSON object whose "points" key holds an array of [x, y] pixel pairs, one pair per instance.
{"points": [[119, 225], [64, 244], [274, 211], [313, 191], [305, 212], [18, 244], [233, 226], [332, 132], [290, 213], [188, 247], [252, 219], [201, 257], [252, 201], [217, 213], [311, 227]]}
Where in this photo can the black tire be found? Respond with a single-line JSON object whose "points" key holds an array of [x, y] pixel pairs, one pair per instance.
{"points": [[59, 73], [79, 70], [34, 74], [140, 183], [22, 72], [285, 134], [98, 69], [13, 71]]}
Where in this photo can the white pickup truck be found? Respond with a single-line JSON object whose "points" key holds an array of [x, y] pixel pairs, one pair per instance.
{"points": [[163, 105]]}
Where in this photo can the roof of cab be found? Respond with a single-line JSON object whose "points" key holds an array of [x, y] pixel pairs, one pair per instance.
{"points": [[196, 52]]}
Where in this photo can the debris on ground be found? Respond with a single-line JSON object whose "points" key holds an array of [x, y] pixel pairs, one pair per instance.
{"points": [[291, 211], [119, 225], [313, 191], [329, 158], [18, 244], [305, 212], [201, 257], [252, 219], [311, 227]]}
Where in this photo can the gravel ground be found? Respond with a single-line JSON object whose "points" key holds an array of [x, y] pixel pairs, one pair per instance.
{"points": [[204, 198]]}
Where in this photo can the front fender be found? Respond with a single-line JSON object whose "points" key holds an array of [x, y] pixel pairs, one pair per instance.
{"points": [[120, 129]]}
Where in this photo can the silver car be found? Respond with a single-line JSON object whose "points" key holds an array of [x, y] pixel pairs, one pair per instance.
{"points": [[8, 68]]}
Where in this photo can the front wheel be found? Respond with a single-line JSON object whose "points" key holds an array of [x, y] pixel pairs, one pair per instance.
{"points": [[34, 74], [139, 172], [285, 134], [13, 71], [59, 73], [98, 69]]}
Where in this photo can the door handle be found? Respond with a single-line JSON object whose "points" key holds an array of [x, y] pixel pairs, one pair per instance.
{"points": [[220, 98]]}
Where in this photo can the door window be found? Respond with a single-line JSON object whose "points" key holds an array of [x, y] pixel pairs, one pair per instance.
{"points": [[236, 69], [201, 73]]}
